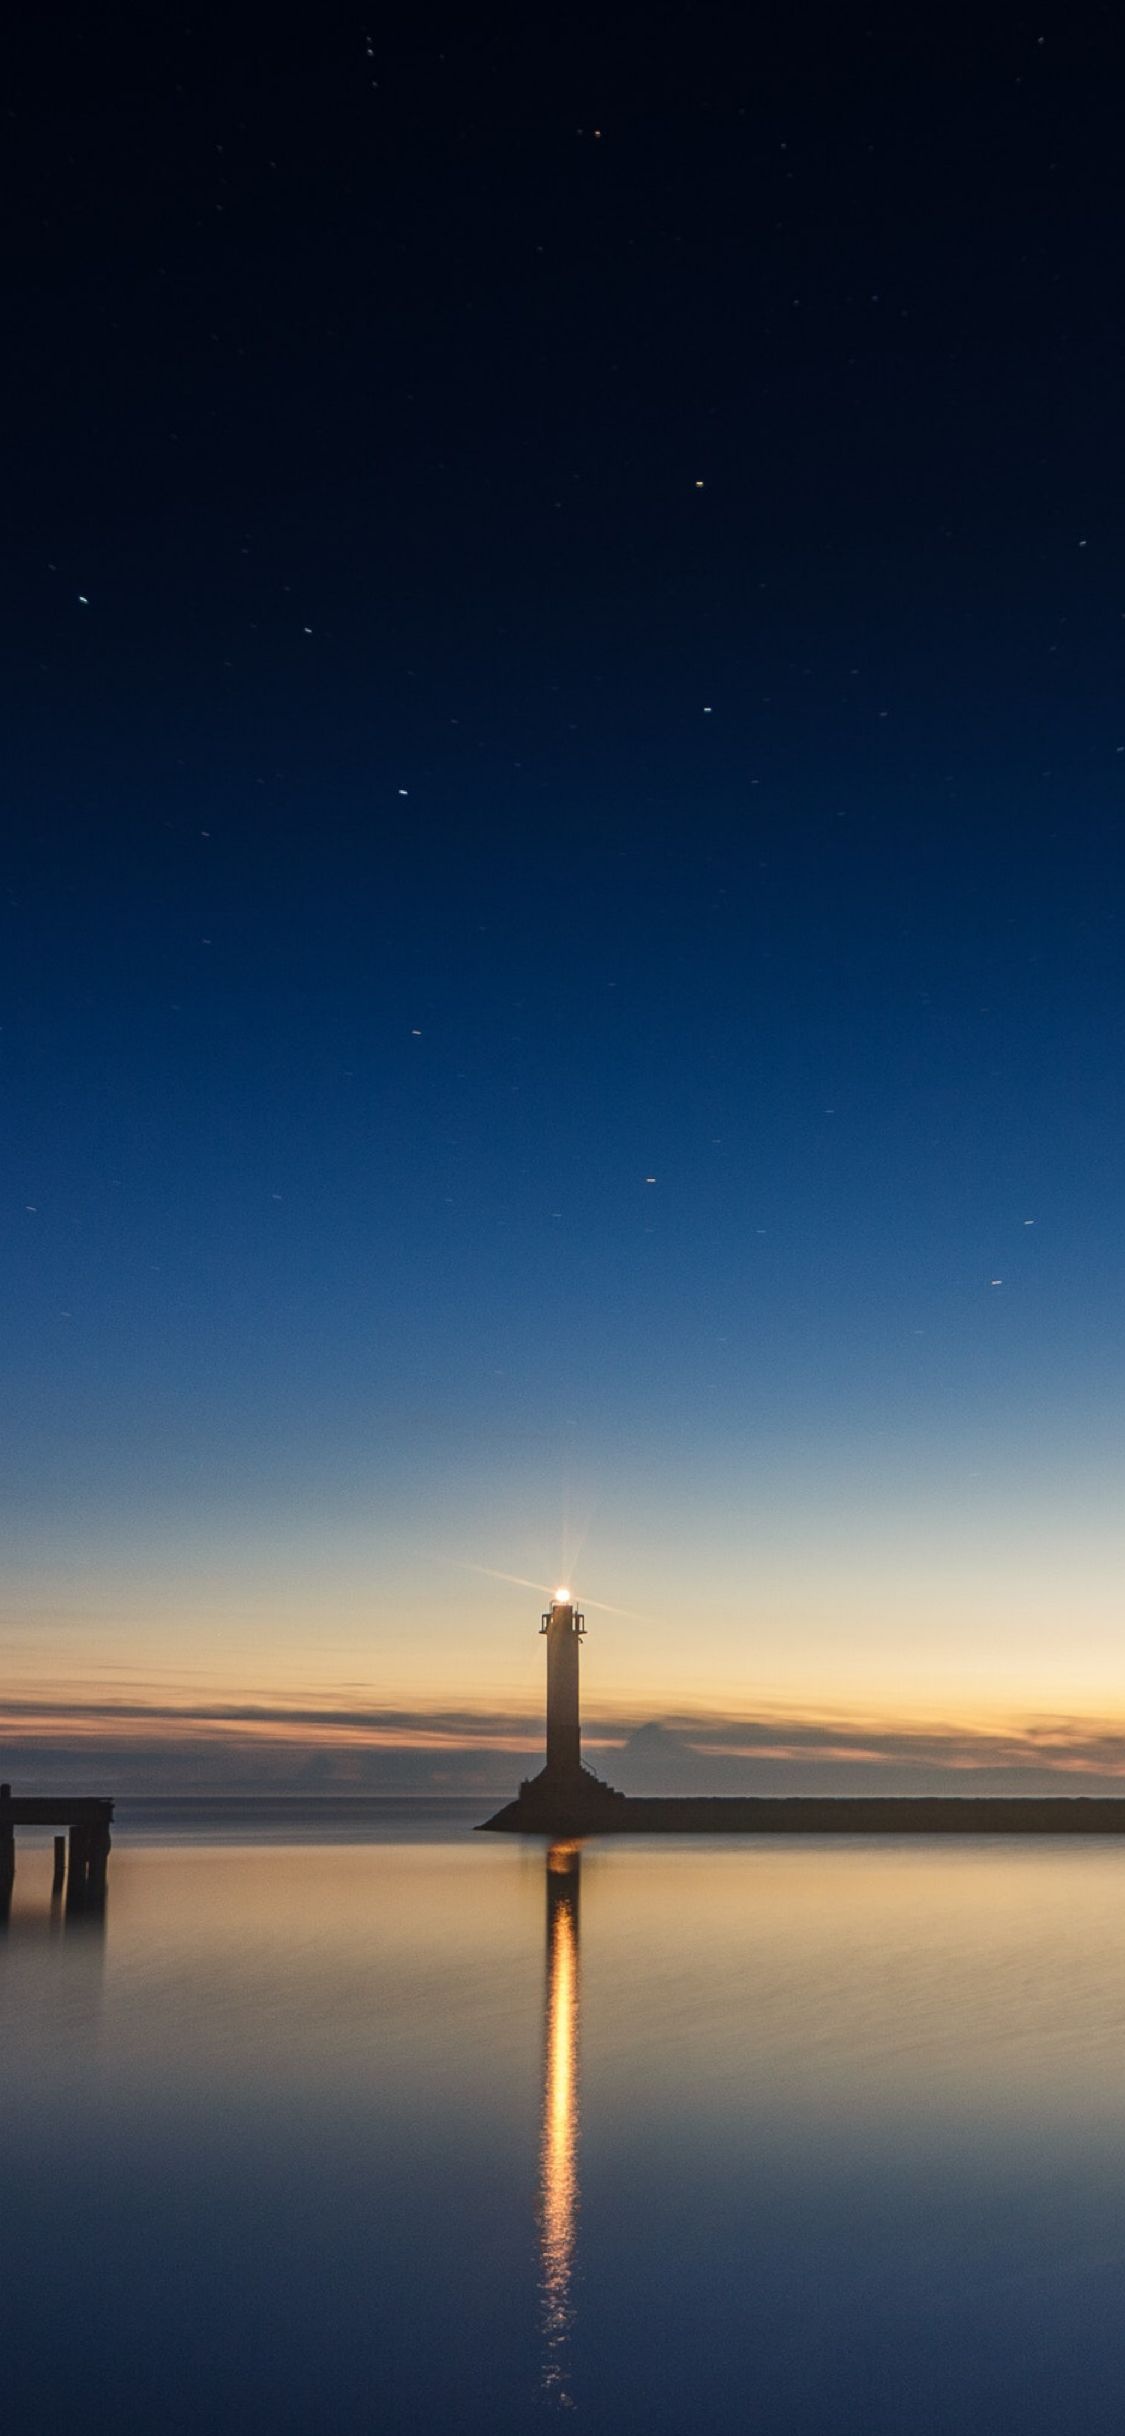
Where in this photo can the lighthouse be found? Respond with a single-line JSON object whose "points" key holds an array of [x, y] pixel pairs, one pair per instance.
{"points": [[564, 1630], [565, 1799]]}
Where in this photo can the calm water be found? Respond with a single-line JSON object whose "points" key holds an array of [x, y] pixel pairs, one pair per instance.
{"points": [[440, 2131]]}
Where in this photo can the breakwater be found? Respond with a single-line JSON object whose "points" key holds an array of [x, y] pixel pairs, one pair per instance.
{"points": [[580, 1813]]}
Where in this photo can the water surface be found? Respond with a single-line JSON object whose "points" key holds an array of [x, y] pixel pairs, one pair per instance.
{"points": [[422, 2129]]}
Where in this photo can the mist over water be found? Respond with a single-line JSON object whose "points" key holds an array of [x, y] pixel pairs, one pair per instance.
{"points": [[411, 2128]]}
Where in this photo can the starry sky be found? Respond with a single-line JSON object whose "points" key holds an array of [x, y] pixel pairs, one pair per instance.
{"points": [[562, 993]]}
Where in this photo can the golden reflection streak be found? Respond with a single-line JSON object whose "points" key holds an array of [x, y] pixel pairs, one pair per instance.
{"points": [[558, 2168]]}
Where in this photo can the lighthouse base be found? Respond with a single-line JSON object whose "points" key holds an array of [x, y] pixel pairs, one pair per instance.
{"points": [[557, 1802]]}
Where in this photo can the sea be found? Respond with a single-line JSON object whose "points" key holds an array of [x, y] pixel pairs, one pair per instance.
{"points": [[344, 2117]]}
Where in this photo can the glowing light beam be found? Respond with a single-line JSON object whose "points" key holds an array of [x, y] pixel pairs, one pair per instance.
{"points": [[547, 1589]]}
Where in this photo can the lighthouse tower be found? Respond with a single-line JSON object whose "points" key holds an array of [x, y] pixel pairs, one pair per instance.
{"points": [[564, 1629], [565, 1799]]}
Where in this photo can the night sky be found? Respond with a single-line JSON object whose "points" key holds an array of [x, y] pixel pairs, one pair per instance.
{"points": [[562, 988]]}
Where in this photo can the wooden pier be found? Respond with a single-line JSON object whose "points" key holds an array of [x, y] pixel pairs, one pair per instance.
{"points": [[87, 1824]]}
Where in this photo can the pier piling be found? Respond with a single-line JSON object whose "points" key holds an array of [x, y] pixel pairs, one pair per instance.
{"points": [[7, 1837], [83, 1866]]}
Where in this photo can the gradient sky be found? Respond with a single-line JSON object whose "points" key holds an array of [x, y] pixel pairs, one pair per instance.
{"points": [[563, 986]]}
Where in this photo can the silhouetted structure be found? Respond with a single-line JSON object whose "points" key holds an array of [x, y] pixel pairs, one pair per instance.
{"points": [[88, 1822], [565, 1631], [566, 1799]]}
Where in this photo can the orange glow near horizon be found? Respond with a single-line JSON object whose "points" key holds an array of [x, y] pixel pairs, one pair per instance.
{"points": [[423, 1674], [121, 1712], [298, 1731], [967, 1600], [260, 1667]]}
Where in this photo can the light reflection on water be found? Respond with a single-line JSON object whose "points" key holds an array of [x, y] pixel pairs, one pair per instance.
{"points": [[304, 2124], [558, 2190]]}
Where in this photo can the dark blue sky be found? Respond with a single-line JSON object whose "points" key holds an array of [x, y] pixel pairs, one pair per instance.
{"points": [[563, 624]]}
